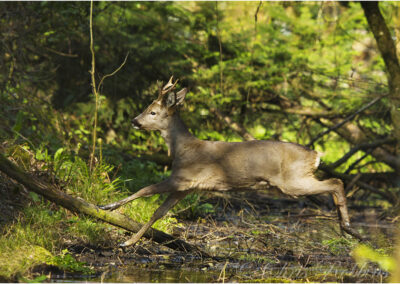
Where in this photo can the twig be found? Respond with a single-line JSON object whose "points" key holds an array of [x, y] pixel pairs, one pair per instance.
{"points": [[94, 90], [113, 73], [350, 117], [362, 184], [351, 184], [356, 162], [61, 53], [256, 16], [220, 50], [363, 146], [252, 57]]}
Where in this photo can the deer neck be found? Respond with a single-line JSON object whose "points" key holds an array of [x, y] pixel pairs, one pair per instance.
{"points": [[177, 136]]}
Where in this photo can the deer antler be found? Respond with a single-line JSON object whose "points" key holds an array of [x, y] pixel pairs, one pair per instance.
{"points": [[167, 88]]}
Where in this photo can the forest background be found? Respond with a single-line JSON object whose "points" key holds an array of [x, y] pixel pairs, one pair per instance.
{"points": [[267, 70]]}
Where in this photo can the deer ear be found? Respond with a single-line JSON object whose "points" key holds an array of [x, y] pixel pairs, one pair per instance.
{"points": [[173, 99], [180, 96], [170, 100]]}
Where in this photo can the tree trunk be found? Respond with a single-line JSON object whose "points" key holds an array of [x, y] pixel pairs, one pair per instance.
{"points": [[80, 206], [387, 49]]}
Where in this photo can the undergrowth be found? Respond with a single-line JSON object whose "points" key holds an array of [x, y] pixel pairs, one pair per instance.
{"points": [[53, 146], [42, 231]]}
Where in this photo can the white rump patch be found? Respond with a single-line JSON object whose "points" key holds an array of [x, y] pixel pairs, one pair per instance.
{"points": [[318, 159]]}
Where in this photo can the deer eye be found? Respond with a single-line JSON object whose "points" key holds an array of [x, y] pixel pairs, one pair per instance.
{"points": [[152, 113]]}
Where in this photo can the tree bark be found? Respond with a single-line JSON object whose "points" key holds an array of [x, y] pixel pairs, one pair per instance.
{"points": [[387, 49], [80, 206]]}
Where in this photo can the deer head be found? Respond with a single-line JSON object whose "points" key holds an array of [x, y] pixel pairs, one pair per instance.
{"points": [[158, 114]]}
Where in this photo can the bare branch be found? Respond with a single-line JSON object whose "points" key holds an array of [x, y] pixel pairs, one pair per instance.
{"points": [[220, 50], [61, 53], [364, 146], [305, 111], [350, 117], [356, 162], [354, 135], [361, 184], [113, 73], [94, 90]]}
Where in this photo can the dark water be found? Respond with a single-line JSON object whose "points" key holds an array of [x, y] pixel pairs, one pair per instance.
{"points": [[135, 274], [235, 272]]}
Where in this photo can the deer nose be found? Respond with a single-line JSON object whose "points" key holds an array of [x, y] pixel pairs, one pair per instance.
{"points": [[136, 124]]}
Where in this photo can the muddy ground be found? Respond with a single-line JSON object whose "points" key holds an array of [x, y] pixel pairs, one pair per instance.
{"points": [[254, 238]]}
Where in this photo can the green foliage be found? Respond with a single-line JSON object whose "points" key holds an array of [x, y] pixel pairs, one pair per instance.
{"points": [[364, 254], [298, 56], [42, 230], [67, 262], [38, 279], [339, 246], [193, 207], [142, 209]]}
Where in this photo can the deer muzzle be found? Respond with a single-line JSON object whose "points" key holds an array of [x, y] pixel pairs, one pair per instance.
{"points": [[136, 124]]}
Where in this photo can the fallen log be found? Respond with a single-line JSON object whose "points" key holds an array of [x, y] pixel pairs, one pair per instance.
{"points": [[79, 205]]}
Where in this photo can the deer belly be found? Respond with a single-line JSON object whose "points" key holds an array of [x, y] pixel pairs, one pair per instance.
{"points": [[222, 185], [209, 185], [209, 178]]}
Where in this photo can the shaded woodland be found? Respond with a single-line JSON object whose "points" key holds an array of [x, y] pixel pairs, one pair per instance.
{"points": [[321, 74]]}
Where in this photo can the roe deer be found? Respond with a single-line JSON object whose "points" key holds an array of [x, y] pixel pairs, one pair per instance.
{"points": [[221, 166]]}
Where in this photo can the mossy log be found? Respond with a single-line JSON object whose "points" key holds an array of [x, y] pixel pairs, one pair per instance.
{"points": [[79, 205]]}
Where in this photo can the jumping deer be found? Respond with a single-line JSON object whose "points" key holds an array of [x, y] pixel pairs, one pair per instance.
{"points": [[222, 166]]}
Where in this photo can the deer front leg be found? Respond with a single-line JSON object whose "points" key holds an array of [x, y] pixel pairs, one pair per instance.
{"points": [[170, 202], [161, 187]]}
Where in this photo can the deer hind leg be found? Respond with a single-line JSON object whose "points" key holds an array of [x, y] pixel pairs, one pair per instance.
{"points": [[339, 197], [170, 202], [161, 187], [310, 186]]}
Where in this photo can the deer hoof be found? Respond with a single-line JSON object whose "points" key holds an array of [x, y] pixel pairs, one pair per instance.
{"points": [[126, 244], [123, 245], [345, 225], [107, 207]]}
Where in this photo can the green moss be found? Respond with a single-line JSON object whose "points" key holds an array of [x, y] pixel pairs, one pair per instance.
{"points": [[17, 260]]}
